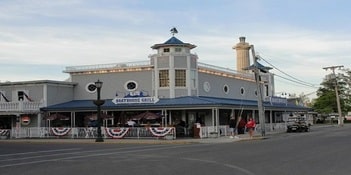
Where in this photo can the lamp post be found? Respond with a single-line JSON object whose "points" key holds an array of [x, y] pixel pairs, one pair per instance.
{"points": [[98, 102]]}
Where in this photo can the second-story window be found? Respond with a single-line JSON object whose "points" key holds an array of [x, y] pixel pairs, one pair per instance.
{"points": [[166, 50], [180, 78], [20, 96], [164, 78], [178, 49], [193, 78]]}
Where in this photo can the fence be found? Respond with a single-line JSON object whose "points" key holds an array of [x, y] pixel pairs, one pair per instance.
{"points": [[121, 132], [91, 132]]}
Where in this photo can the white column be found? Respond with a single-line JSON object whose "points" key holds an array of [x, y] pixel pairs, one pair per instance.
{"points": [[171, 77]]}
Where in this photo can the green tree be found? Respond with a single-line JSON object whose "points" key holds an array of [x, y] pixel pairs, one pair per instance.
{"points": [[326, 101], [347, 80]]}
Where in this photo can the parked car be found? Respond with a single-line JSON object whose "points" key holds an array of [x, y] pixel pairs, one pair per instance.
{"points": [[297, 124]]}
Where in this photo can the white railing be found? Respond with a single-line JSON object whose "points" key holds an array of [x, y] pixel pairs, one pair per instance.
{"points": [[106, 66], [226, 70], [20, 106], [210, 131], [91, 132]]}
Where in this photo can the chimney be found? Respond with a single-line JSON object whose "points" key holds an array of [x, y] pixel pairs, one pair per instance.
{"points": [[242, 55]]}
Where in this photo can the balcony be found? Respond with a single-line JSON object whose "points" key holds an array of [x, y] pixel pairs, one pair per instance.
{"points": [[20, 106]]}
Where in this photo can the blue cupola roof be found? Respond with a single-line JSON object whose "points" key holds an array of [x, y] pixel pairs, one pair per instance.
{"points": [[173, 41], [262, 68]]}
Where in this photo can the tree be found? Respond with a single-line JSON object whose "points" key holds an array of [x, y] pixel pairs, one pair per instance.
{"points": [[326, 101], [347, 79]]}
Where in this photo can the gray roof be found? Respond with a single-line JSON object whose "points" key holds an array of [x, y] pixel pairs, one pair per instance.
{"points": [[186, 102], [173, 41]]}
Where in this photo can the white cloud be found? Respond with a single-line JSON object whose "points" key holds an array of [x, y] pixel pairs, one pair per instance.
{"points": [[74, 32]]}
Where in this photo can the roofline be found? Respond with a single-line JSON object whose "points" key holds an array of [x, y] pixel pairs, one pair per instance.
{"points": [[188, 45], [38, 82]]}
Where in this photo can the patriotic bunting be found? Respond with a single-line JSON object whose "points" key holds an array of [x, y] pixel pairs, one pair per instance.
{"points": [[117, 133], [60, 131], [4, 132], [160, 131]]}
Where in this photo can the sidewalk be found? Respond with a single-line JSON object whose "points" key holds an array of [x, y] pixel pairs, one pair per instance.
{"points": [[222, 139]]}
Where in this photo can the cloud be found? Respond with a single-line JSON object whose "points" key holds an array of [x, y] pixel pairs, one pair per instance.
{"points": [[78, 32]]}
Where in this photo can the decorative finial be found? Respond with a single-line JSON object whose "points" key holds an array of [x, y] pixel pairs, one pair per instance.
{"points": [[174, 31]]}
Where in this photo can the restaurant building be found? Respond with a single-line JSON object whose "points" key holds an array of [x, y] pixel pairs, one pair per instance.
{"points": [[171, 93]]}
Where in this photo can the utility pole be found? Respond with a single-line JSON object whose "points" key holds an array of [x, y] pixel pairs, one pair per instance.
{"points": [[340, 119], [261, 114]]}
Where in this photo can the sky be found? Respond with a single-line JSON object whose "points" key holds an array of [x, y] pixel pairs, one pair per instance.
{"points": [[40, 38]]}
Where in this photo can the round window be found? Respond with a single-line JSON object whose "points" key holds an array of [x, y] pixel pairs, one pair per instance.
{"points": [[131, 85], [242, 91], [207, 86], [226, 89], [90, 87]]}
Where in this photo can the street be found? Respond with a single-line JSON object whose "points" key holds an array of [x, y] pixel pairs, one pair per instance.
{"points": [[323, 151]]}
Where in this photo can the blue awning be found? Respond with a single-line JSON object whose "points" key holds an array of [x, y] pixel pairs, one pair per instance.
{"points": [[186, 102]]}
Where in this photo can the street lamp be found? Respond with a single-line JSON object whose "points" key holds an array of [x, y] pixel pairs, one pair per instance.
{"points": [[98, 102]]}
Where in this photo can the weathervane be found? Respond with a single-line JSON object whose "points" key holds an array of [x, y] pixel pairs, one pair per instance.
{"points": [[174, 31]]}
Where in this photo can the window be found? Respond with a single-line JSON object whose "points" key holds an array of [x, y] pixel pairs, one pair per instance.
{"points": [[20, 95], [131, 85], [180, 78], [267, 90], [193, 78], [226, 89], [166, 50], [178, 49], [164, 78], [90, 87], [242, 91]]}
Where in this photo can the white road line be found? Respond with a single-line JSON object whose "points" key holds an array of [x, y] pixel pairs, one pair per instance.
{"points": [[67, 153], [35, 152], [92, 155]]}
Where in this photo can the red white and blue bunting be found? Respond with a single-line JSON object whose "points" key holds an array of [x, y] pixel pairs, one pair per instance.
{"points": [[60, 131], [4, 132], [117, 133], [160, 131]]}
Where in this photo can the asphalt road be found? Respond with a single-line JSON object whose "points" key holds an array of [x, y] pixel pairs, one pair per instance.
{"points": [[323, 151]]}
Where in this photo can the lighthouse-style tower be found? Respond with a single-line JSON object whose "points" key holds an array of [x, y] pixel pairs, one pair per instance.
{"points": [[175, 68], [242, 55]]}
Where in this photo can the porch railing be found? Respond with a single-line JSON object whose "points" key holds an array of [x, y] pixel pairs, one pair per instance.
{"points": [[91, 132], [123, 132], [20, 106]]}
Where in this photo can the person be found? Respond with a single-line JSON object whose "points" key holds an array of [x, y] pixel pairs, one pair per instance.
{"points": [[232, 127], [250, 125], [131, 123], [241, 126]]}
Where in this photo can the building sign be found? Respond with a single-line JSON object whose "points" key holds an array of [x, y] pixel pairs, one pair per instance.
{"points": [[128, 100], [278, 100]]}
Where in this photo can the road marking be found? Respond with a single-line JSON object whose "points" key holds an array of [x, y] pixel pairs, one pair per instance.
{"points": [[35, 152], [152, 148]]}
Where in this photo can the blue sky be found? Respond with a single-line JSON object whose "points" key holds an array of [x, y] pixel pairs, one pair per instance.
{"points": [[39, 38]]}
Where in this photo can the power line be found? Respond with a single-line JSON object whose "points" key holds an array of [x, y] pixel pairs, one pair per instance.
{"points": [[293, 79], [308, 85]]}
